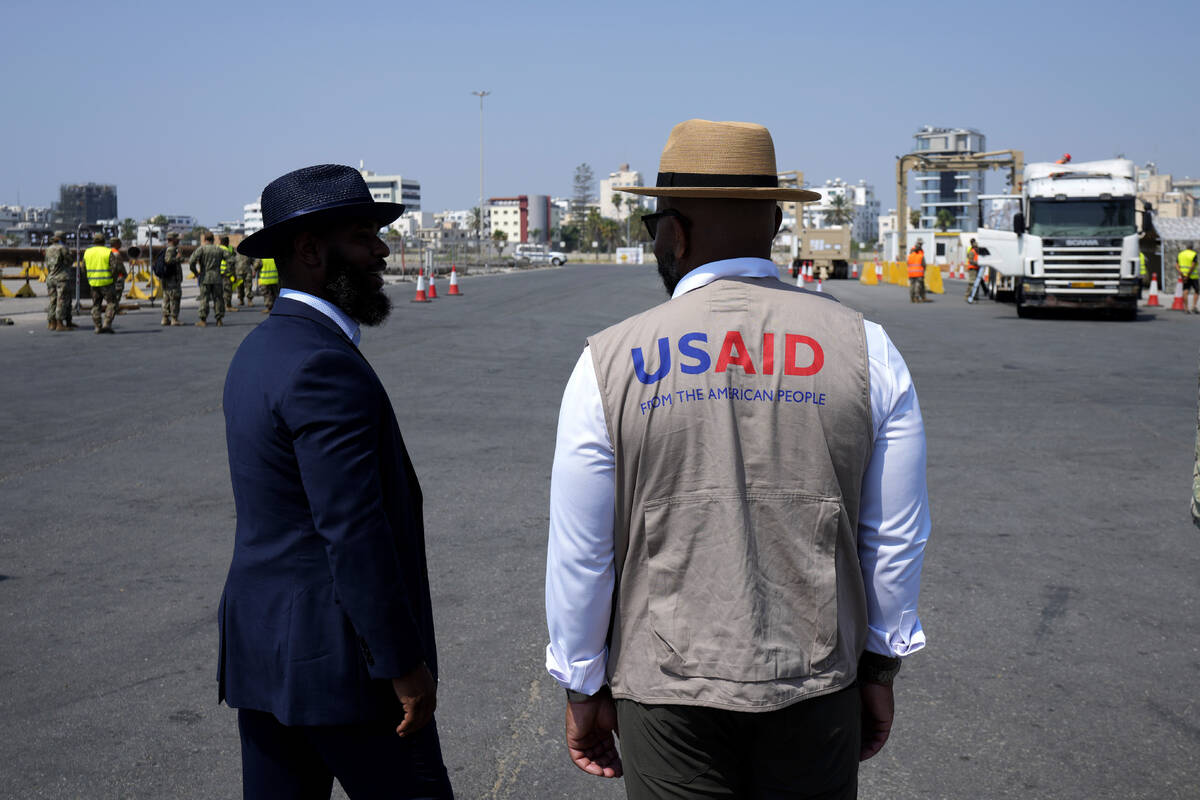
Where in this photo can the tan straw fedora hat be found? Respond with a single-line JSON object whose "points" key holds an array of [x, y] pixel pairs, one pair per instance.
{"points": [[719, 160]]}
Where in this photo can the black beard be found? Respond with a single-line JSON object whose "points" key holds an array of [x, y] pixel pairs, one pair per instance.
{"points": [[352, 292], [666, 270]]}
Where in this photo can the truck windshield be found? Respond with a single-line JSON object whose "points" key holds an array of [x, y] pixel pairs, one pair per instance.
{"points": [[1082, 217]]}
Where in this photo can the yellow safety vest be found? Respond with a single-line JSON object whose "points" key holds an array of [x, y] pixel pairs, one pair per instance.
{"points": [[1186, 261], [95, 258], [225, 261], [269, 273]]}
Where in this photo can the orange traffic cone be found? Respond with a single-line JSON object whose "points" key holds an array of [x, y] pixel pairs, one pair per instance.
{"points": [[800, 277], [808, 273], [1177, 301], [420, 298], [1152, 298], [819, 287], [432, 295], [454, 290], [854, 269], [878, 274]]}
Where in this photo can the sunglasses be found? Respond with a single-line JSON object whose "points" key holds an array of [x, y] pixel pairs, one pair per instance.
{"points": [[651, 220]]}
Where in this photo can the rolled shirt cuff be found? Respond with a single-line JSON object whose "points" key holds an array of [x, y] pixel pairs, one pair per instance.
{"points": [[582, 676], [904, 642]]}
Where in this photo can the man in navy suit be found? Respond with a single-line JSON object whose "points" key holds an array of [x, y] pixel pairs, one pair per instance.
{"points": [[327, 646]]}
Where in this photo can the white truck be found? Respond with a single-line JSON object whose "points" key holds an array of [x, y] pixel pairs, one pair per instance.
{"points": [[1071, 240]]}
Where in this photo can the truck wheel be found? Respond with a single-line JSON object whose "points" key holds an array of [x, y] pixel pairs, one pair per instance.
{"points": [[556, 262], [1023, 311]]}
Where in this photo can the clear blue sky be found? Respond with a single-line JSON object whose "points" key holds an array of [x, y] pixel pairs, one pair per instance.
{"points": [[194, 108]]}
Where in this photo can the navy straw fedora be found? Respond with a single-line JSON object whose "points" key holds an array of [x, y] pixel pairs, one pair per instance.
{"points": [[326, 191]]}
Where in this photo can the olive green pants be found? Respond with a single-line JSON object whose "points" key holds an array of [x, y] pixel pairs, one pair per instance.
{"points": [[808, 750]]}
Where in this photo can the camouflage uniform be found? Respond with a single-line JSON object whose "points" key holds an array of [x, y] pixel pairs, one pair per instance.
{"points": [[227, 275], [117, 264], [209, 257], [172, 285], [60, 281], [245, 266]]}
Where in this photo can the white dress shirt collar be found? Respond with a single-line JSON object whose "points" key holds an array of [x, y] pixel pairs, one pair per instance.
{"points": [[348, 326], [726, 268]]}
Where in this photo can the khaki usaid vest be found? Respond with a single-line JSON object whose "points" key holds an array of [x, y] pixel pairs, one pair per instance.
{"points": [[739, 466]]}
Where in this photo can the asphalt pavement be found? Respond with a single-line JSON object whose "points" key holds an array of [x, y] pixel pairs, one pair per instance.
{"points": [[1060, 594]]}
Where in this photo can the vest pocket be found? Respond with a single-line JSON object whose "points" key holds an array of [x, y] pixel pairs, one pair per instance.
{"points": [[743, 586]]}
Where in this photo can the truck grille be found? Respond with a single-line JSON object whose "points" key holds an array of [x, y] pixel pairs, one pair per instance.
{"points": [[1070, 269]]}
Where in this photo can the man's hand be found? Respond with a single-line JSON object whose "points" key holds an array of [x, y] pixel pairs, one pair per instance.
{"points": [[878, 710], [417, 692], [590, 728]]}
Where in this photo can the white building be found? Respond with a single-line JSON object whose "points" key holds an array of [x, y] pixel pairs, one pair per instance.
{"points": [[393, 189], [860, 201], [624, 176], [887, 225], [952, 191], [524, 218], [411, 222], [252, 219]]}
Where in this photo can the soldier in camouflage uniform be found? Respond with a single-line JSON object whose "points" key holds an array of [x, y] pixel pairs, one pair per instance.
{"points": [[245, 267], [119, 272], [172, 282], [227, 274], [60, 282], [209, 257]]}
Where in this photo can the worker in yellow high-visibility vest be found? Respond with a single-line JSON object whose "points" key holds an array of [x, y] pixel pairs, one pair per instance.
{"points": [[1186, 262], [97, 262], [268, 283], [227, 273]]}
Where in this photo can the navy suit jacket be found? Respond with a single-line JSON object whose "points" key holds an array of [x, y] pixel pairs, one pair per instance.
{"points": [[327, 596]]}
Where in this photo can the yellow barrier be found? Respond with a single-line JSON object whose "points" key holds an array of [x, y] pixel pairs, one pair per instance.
{"points": [[933, 280], [154, 286], [34, 271], [896, 273]]}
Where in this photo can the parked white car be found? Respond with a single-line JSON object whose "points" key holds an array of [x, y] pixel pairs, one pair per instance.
{"points": [[539, 254]]}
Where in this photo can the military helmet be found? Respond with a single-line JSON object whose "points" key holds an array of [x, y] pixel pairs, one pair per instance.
{"points": [[172, 237], [114, 242], [97, 238]]}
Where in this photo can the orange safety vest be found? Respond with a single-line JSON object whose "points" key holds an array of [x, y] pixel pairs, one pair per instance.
{"points": [[915, 268], [972, 258]]}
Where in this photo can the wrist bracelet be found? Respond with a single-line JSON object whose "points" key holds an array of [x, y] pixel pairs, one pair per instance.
{"points": [[578, 697], [876, 668]]}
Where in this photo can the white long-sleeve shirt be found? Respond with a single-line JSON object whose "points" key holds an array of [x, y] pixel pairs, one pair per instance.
{"points": [[893, 522]]}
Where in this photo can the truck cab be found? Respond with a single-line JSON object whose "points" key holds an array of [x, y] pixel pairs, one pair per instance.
{"points": [[1072, 242]]}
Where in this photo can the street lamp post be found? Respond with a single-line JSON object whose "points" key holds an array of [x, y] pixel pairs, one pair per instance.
{"points": [[479, 216]]}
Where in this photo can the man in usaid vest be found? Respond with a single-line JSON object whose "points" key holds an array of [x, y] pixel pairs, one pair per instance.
{"points": [[738, 510]]}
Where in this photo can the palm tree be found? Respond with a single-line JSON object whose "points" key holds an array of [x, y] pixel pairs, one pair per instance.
{"points": [[841, 211], [944, 220]]}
